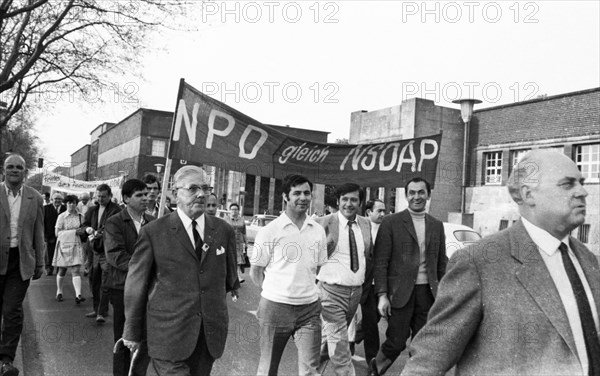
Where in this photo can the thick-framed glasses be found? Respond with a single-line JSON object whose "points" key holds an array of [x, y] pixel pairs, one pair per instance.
{"points": [[194, 189]]}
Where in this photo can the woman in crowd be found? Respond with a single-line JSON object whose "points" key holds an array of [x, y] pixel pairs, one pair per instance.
{"points": [[69, 249], [239, 226]]}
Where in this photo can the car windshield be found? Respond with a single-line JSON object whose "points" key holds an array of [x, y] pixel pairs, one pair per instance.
{"points": [[466, 236]]}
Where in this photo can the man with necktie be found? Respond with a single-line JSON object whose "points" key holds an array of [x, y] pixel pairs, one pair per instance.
{"points": [[524, 301], [341, 278], [183, 265]]}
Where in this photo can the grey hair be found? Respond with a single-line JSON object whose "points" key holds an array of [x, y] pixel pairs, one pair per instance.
{"points": [[189, 170], [526, 172]]}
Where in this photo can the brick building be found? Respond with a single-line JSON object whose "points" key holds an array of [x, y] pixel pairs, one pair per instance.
{"points": [[568, 123], [135, 145]]}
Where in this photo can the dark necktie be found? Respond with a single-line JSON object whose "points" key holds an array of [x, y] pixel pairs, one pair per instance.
{"points": [[353, 249], [590, 334], [197, 238]]}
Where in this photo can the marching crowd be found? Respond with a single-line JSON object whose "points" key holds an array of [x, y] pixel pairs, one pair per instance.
{"points": [[524, 301]]}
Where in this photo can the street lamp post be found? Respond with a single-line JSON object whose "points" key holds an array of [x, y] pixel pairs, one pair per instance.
{"points": [[466, 112]]}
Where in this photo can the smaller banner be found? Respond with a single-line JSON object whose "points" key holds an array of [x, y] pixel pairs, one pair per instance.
{"points": [[67, 184]]}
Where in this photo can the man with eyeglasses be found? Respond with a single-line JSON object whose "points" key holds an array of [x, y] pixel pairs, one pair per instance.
{"points": [[183, 265], [21, 254]]}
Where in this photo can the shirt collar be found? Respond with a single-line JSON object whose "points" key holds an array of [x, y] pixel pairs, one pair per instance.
{"points": [[344, 221], [288, 221], [9, 191], [187, 221], [542, 238]]}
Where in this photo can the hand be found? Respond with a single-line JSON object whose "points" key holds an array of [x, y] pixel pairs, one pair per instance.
{"points": [[234, 295], [384, 307], [86, 271], [131, 345], [89, 230], [38, 272]]}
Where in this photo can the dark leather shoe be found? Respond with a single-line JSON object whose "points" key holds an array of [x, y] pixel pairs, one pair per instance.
{"points": [[59, 297], [373, 368], [8, 369], [352, 348], [79, 299]]}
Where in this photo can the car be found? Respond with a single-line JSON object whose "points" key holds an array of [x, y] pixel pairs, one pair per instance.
{"points": [[458, 236], [255, 224]]}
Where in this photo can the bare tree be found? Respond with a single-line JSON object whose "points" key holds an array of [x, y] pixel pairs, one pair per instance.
{"points": [[73, 44], [19, 137]]}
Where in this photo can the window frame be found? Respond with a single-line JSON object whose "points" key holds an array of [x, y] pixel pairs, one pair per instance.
{"points": [[591, 163], [497, 167]]}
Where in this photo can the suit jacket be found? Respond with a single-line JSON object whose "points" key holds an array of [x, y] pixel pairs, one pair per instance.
{"points": [[50, 216], [397, 256], [498, 312], [176, 292], [31, 231], [331, 224], [91, 220], [120, 237]]}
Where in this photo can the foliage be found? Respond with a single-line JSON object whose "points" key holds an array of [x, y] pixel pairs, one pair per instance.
{"points": [[73, 45], [19, 137]]}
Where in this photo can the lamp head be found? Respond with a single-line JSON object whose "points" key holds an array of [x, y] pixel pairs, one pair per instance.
{"points": [[466, 108]]}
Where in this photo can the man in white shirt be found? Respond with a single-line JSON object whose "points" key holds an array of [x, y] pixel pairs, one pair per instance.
{"points": [[21, 254], [524, 301], [84, 203], [341, 278], [286, 255]]}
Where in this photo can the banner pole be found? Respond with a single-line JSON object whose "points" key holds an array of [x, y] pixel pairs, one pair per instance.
{"points": [[169, 161]]}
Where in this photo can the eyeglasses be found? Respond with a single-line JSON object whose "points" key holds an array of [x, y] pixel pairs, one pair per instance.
{"points": [[194, 189]]}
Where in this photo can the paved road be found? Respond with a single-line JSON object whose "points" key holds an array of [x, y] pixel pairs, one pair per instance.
{"points": [[59, 340]]}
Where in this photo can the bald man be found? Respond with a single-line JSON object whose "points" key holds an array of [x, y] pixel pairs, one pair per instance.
{"points": [[21, 253], [524, 301]]}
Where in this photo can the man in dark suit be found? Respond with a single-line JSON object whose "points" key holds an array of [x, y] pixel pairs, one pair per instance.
{"points": [[51, 212], [120, 235], [341, 278], [21, 254], [182, 268], [410, 260], [93, 227], [524, 301]]}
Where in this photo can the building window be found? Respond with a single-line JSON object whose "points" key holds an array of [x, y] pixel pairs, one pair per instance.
{"points": [[503, 224], [158, 148], [515, 157], [583, 233], [493, 167], [587, 158]]}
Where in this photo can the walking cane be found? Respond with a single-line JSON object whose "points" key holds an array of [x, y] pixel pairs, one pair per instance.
{"points": [[118, 345]]}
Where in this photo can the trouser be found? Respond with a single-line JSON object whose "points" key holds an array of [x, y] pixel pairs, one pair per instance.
{"points": [[198, 364], [280, 321], [369, 327], [49, 254], [98, 275], [122, 358], [407, 321], [12, 293], [339, 306]]}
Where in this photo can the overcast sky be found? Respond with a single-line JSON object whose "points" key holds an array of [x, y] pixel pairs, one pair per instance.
{"points": [[310, 64]]}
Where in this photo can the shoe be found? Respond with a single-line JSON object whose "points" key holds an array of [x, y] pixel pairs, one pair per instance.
{"points": [[91, 314], [242, 281], [8, 369], [100, 319], [352, 348], [373, 368], [59, 297], [79, 299]]}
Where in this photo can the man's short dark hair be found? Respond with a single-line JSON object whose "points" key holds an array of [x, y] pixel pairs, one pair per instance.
{"points": [[234, 204], [47, 195], [131, 186], [70, 198], [371, 203], [347, 188], [151, 179], [293, 181], [418, 180], [104, 188]]}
